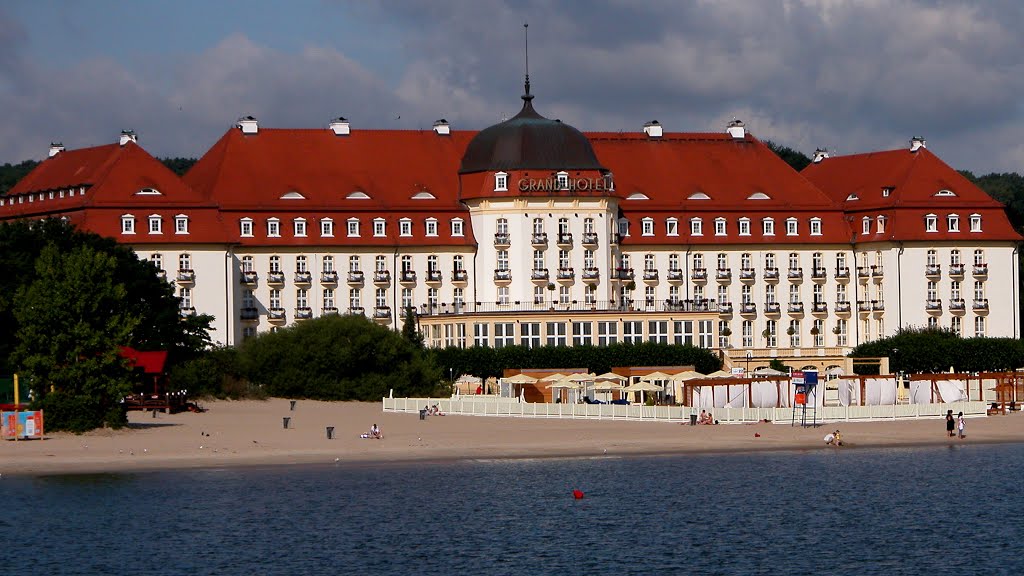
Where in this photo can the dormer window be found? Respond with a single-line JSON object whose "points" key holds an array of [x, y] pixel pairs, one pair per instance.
{"points": [[720, 227], [815, 226], [430, 227], [358, 195], [501, 182], [886, 192], [931, 223], [352, 227], [696, 227], [245, 227], [672, 227], [865, 225], [142, 192], [947, 193], [562, 180], [880, 224], [791, 227], [326, 227], [156, 224], [953, 223], [405, 227], [299, 227], [759, 196], [768, 227], [379, 228], [624, 227], [647, 226], [975, 222], [744, 226], [458, 227], [273, 228], [852, 197], [181, 224], [127, 224]]}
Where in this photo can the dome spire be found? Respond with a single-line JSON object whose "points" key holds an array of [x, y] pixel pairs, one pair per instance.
{"points": [[526, 44]]}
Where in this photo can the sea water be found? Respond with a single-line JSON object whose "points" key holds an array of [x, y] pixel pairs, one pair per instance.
{"points": [[950, 510]]}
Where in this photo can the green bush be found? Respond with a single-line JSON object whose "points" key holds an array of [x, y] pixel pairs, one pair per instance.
{"points": [[930, 350], [78, 413]]}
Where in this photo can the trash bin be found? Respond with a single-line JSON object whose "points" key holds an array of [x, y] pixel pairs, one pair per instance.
{"points": [[330, 432], [423, 414], [287, 420], [693, 419], [293, 405]]}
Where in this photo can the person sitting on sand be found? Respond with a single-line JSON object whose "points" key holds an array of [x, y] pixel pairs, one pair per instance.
{"points": [[375, 433], [838, 438], [705, 417], [830, 438]]}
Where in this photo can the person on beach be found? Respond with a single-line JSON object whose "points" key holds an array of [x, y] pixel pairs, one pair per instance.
{"points": [[950, 423], [830, 438], [375, 433], [960, 424]]}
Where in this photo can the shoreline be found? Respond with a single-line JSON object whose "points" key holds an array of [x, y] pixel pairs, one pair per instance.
{"points": [[250, 434]]}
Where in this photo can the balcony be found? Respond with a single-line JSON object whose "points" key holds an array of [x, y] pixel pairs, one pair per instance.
{"points": [[933, 270], [796, 308], [795, 274], [538, 276], [614, 238], [590, 239], [675, 276], [842, 274], [725, 308], [566, 274], [539, 240], [330, 310], [748, 308], [382, 277], [407, 277], [819, 274], [980, 270], [819, 308], [275, 278], [773, 308], [591, 275], [957, 270], [863, 273], [565, 239], [933, 306], [303, 277], [382, 313], [957, 305], [843, 308], [877, 273], [186, 311], [303, 313], [355, 277], [980, 305], [651, 276], [356, 310], [186, 276], [623, 274], [771, 274], [277, 314], [502, 240], [250, 278], [460, 276], [863, 306], [161, 274], [502, 277], [723, 275], [747, 275], [434, 277], [328, 277], [877, 306], [249, 314], [699, 275]]}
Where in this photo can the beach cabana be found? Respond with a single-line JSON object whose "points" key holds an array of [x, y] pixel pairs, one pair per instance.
{"points": [[515, 384], [643, 387]]}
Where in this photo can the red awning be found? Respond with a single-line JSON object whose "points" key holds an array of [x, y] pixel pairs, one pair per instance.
{"points": [[150, 362]]}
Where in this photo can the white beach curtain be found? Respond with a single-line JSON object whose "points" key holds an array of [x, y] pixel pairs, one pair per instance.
{"points": [[920, 392], [952, 390], [880, 391], [737, 395], [765, 394]]}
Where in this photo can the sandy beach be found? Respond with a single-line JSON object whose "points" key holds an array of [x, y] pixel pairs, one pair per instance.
{"points": [[250, 433]]}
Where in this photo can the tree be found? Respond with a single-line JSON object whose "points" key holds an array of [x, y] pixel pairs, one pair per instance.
{"points": [[70, 323], [178, 165], [795, 158], [10, 174], [410, 328]]}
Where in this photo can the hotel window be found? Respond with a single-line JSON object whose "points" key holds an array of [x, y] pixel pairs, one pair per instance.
{"points": [[930, 258], [649, 295], [956, 326], [932, 293], [818, 293], [563, 226], [588, 259], [503, 295], [979, 326], [156, 224], [632, 331], [673, 262], [954, 290], [682, 332], [248, 299], [556, 334], [698, 260], [769, 293], [432, 263], [184, 262], [275, 263], [623, 226], [723, 261], [953, 223], [791, 227], [502, 226], [327, 227], [794, 333], [181, 224], [457, 264], [979, 257], [299, 227], [723, 339], [794, 260], [504, 334], [328, 263], [931, 223], [501, 182], [880, 224], [794, 294], [457, 227], [562, 180], [657, 331], [379, 228], [865, 225], [673, 293], [406, 263], [769, 260], [538, 225], [744, 226], [480, 336], [933, 322], [502, 259], [588, 225], [771, 334], [696, 227], [720, 227], [815, 224], [647, 226], [975, 222], [886, 192], [328, 298], [458, 298], [247, 264], [768, 226], [430, 227], [842, 327], [745, 260], [275, 298], [538, 294], [158, 261], [582, 333], [672, 227], [185, 294], [841, 293], [432, 298], [649, 262], [529, 336], [607, 333], [704, 336], [954, 257], [127, 224], [979, 290], [354, 298], [273, 228], [352, 227], [380, 264], [407, 301], [723, 294], [300, 264], [840, 260], [747, 331], [301, 298], [405, 227], [563, 259], [353, 263], [245, 227]]}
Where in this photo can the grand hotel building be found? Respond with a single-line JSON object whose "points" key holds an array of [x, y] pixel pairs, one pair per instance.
{"points": [[532, 232]]}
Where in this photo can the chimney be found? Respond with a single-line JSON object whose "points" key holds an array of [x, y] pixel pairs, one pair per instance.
{"points": [[126, 137], [340, 126], [248, 125], [55, 148], [442, 127], [819, 155], [917, 142], [653, 129], [736, 129]]}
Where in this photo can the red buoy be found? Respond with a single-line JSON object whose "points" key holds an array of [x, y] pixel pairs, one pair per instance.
{"points": [[756, 435], [577, 494]]}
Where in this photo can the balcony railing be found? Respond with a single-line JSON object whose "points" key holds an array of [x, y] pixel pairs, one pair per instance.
{"points": [[675, 275], [460, 276], [933, 305], [186, 275], [355, 277], [842, 307], [329, 277], [699, 274], [566, 273], [980, 270], [502, 275], [330, 310], [877, 271], [980, 304], [795, 273], [382, 312], [957, 304], [575, 307], [772, 308], [303, 313], [877, 305], [249, 313], [623, 274], [957, 269], [407, 276], [771, 273], [590, 239], [748, 308], [539, 239], [276, 313], [303, 276], [564, 239], [502, 239], [863, 272], [650, 275], [356, 310], [796, 308], [275, 277], [819, 308], [537, 274], [723, 274], [842, 272], [591, 273], [250, 277], [747, 274], [933, 270], [863, 306], [433, 275], [187, 311], [818, 273], [725, 307], [382, 276]]}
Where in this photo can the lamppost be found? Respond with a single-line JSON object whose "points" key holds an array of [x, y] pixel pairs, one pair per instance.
{"points": [[749, 356]]}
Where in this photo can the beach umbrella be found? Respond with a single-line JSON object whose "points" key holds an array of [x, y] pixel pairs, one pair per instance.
{"points": [[687, 375], [656, 377], [552, 377], [610, 376], [520, 379], [580, 377], [720, 374], [766, 371], [643, 387]]}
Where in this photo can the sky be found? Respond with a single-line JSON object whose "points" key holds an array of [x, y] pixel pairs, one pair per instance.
{"points": [[849, 76]]}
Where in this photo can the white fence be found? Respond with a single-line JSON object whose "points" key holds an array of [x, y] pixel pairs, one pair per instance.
{"points": [[484, 406]]}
